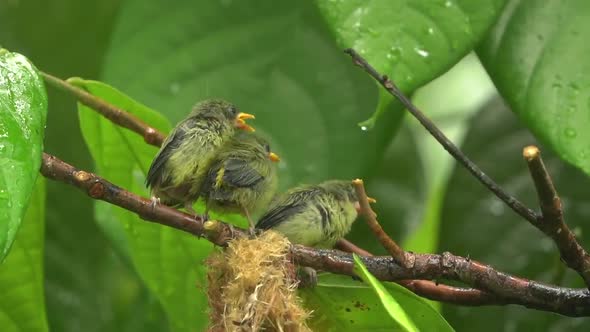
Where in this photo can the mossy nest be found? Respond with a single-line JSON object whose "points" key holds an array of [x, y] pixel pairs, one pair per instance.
{"points": [[252, 287]]}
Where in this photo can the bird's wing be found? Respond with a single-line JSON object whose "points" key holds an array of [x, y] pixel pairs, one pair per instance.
{"points": [[171, 143], [295, 203], [239, 173]]}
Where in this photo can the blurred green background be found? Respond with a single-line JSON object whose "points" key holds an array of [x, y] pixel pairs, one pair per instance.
{"points": [[283, 63]]}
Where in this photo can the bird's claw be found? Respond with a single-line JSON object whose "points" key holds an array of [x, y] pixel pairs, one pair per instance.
{"points": [[308, 277], [155, 201]]}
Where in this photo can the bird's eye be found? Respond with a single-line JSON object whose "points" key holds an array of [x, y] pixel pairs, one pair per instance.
{"points": [[267, 148], [233, 110]]}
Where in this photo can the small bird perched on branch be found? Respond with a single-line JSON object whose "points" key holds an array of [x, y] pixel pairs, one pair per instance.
{"points": [[314, 215], [178, 170], [242, 178]]}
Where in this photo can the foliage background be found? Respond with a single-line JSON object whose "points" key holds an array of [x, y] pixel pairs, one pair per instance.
{"points": [[283, 63]]}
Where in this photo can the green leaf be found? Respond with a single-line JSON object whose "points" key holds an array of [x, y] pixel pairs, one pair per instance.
{"points": [[22, 304], [80, 266], [533, 56], [411, 41], [304, 91], [23, 108], [169, 261], [395, 310], [477, 224], [343, 304]]}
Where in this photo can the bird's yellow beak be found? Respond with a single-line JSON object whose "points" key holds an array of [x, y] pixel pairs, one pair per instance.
{"points": [[274, 157], [241, 121], [371, 200]]}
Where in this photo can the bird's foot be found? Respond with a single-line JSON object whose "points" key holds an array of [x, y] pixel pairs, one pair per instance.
{"points": [[308, 277], [155, 201], [188, 206]]}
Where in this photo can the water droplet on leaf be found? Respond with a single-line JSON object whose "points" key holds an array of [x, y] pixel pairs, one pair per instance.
{"points": [[570, 133]]}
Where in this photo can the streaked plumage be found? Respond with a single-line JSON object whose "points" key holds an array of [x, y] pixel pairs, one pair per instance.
{"points": [[313, 215], [242, 178], [177, 172]]}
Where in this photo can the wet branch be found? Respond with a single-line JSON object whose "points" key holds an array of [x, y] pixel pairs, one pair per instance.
{"points": [[109, 111], [388, 84], [499, 288], [551, 222]]}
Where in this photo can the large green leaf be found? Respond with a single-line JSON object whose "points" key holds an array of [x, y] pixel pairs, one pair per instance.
{"points": [[412, 41], [23, 108], [85, 278], [22, 304], [536, 57], [87, 289], [477, 224], [343, 304], [304, 91], [169, 261]]}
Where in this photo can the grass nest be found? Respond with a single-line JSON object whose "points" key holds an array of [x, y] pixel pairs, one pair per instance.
{"points": [[252, 287]]}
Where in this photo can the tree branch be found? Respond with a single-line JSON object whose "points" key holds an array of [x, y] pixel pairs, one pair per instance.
{"points": [[551, 222], [502, 288], [116, 115], [511, 201]]}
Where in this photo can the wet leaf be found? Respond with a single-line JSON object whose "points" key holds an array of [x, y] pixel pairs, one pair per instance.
{"points": [[23, 108], [477, 224], [534, 57], [411, 41]]}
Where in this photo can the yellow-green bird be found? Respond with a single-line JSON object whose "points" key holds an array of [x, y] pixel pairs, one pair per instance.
{"points": [[314, 215], [178, 170], [242, 178]]}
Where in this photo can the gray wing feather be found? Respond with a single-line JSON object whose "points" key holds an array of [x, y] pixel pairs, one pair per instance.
{"points": [[172, 143], [294, 204], [239, 173]]}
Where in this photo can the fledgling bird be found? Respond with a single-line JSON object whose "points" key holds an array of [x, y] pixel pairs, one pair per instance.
{"points": [[242, 178], [178, 170], [314, 215]]}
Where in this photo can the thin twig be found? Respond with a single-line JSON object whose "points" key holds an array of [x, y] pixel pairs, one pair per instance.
{"points": [[109, 111], [504, 288], [101, 189], [511, 201], [371, 218], [552, 223]]}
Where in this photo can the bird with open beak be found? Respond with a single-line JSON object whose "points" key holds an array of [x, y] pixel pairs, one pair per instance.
{"points": [[178, 170]]}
